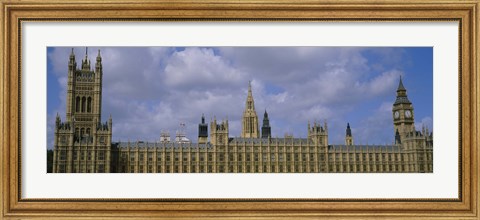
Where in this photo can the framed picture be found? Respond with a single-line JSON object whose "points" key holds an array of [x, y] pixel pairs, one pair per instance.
{"points": [[256, 109]]}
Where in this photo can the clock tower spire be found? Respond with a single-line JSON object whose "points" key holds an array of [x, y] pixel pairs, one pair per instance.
{"points": [[403, 120]]}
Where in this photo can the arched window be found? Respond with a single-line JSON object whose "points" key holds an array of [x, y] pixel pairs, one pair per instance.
{"points": [[77, 104], [89, 104], [83, 103], [88, 132], [82, 132]]}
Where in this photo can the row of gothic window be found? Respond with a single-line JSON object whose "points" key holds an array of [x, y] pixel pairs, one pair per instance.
{"points": [[82, 132], [83, 104]]}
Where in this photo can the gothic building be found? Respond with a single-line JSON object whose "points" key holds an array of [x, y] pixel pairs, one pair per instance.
{"points": [[83, 144]]}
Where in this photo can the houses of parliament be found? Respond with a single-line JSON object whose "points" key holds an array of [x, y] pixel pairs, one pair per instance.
{"points": [[83, 142]]}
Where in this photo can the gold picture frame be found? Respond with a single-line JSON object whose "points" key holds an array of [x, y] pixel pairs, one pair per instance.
{"points": [[14, 13]]}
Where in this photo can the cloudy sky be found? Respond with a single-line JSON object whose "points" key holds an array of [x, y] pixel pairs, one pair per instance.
{"points": [[152, 89]]}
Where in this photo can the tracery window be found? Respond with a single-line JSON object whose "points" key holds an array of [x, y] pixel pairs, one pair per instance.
{"points": [[77, 104], [83, 104], [89, 104]]}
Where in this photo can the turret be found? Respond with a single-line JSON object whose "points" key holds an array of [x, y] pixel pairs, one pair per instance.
{"points": [[98, 64], [318, 134], [57, 121], [110, 123], [72, 64], [72, 67], [348, 135], [219, 132], [202, 131], [266, 130]]}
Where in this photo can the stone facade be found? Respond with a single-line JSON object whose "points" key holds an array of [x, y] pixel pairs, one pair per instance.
{"points": [[83, 144]]}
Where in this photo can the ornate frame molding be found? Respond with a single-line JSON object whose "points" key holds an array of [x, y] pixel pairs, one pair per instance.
{"points": [[16, 12]]}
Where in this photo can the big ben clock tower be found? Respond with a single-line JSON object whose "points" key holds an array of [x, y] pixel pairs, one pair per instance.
{"points": [[403, 118]]}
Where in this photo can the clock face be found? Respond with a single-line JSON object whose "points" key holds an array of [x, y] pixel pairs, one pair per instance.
{"points": [[396, 115], [408, 114]]}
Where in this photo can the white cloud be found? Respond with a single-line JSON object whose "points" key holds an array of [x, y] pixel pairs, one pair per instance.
{"points": [[426, 122], [199, 68], [377, 128]]}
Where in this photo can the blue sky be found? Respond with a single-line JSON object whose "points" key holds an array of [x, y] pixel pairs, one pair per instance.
{"points": [[152, 89]]}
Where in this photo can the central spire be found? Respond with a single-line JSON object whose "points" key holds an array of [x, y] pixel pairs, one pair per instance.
{"points": [[250, 105], [250, 119]]}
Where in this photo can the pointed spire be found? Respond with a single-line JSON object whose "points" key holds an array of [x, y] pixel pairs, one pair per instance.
{"points": [[86, 53], [99, 57], [401, 94], [348, 136], [249, 89], [400, 85], [348, 131], [266, 121], [250, 103]]}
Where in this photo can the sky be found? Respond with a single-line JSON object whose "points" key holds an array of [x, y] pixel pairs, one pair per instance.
{"points": [[148, 90]]}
